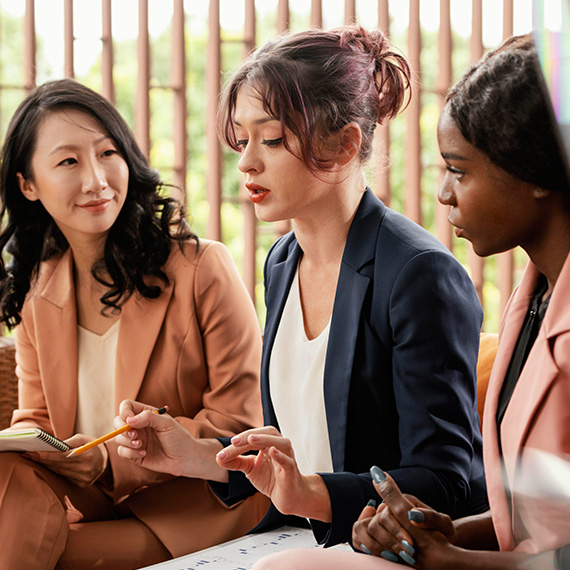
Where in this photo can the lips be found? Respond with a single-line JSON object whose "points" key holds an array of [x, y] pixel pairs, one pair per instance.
{"points": [[257, 193], [95, 205]]}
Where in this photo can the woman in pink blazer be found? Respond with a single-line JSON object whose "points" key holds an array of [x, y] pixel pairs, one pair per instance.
{"points": [[112, 297], [506, 185]]}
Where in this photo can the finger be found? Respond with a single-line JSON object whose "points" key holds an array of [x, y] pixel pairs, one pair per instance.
{"points": [[369, 510], [131, 453], [363, 541], [263, 441], [129, 439], [429, 519], [147, 418], [391, 495], [244, 463], [241, 438], [388, 532]]}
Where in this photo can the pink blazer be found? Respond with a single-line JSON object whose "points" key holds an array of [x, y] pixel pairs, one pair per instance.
{"points": [[538, 417], [197, 348]]}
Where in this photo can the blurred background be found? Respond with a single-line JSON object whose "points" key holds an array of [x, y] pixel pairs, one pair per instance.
{"points": [[164, 62]]}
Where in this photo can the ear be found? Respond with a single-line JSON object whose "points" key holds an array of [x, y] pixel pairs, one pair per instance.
{"points": [[27, 188], [349, 141], [540, 193]]}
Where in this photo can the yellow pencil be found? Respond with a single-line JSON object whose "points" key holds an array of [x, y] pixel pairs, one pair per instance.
{"points": [[111, 435]]}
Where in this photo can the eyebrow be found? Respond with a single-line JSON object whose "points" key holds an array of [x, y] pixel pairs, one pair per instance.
{"points": [[260, 121], [452, 156], [75, 147]]}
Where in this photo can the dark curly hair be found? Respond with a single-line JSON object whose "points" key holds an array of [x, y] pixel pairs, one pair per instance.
{"points": [[500, 106], [139, 242], [315, 82]]}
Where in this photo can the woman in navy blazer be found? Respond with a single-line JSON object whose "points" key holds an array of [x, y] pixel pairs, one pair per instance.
{"points": [[397, 376]]}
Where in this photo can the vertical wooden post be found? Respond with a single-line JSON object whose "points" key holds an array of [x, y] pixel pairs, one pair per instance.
{"points": [[316, 13], [30, 46], [413, 194], [68, 66], [214, 152], [476, 263], [382, 187], [107, 57], [349, 11], [178, 83], [444, 79], [505, 260], [142, 103], [283, 16], [249, 218]]}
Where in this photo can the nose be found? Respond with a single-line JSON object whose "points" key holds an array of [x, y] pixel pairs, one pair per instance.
{"points": [[445, 194], [94, 177], [249, 160]]}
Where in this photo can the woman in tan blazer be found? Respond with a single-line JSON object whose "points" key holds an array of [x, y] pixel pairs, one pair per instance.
{"points": [[506, 185], [112, 297]]}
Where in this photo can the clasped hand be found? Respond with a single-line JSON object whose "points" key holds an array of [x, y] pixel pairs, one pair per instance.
{"points": [[403, 527]]}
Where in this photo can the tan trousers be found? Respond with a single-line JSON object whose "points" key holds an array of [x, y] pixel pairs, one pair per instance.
{"points": [[40, 529]]}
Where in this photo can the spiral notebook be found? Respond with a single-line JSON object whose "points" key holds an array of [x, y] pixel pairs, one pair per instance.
{"points": [[32, 439]]}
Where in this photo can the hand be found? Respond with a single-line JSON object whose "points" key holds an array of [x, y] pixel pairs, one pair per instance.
{"points": [[160, 443], [391, 534], [83, 469], [274, 472]]}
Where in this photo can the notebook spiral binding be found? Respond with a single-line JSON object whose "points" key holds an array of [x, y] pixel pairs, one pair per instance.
{"points": [[53, 441]]}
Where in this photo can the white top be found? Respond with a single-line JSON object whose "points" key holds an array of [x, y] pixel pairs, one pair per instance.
{"points": [[96, 357], [296, 374]]}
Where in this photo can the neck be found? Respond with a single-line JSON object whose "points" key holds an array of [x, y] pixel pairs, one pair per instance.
{"points": [[85, 254], [550, 250], [322, 235]]}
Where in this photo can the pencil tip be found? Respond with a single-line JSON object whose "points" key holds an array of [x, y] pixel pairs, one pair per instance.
{"points": [[70, 454]]}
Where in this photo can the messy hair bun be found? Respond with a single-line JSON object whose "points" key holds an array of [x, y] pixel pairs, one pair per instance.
{"points": [[315, 82]]}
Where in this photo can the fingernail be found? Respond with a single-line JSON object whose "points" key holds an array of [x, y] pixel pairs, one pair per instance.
{"points": [[377, 474], [132, 420], [416, 516], [371, 503], [364, 549], [405, 556], [388, 555], [236, 439], [408, 546], [221, 454]]}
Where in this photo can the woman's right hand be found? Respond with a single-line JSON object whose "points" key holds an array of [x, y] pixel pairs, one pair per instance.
{"points": [[159, 443]]}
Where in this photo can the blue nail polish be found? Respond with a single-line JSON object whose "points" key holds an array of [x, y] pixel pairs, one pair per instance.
{"points": [[408, 546], [416, 516], [364, 549], [377, 474], [388, 555], [371, 503], [405, 556]]}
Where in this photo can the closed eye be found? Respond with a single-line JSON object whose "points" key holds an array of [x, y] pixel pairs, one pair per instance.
{"points": [[273, 142], [241, 144], [109, 152]]}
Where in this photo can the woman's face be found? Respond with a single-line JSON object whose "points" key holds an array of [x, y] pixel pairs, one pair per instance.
{"points": [[77, 174], [280, 185], [492, 209]]}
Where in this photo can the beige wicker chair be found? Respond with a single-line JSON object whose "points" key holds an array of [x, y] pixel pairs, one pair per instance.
{"points": [[8, 381]]}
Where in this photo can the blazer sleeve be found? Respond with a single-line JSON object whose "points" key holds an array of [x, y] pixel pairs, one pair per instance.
{"points": [[434, 318], [230, 340]]}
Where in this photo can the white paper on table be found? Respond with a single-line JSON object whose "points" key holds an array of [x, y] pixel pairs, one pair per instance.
{"points": [[242, 553]]}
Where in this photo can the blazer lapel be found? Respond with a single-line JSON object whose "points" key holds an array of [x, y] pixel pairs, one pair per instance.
{"points": [[350, 293], [141, 322], [281, 278], [56, 334]]}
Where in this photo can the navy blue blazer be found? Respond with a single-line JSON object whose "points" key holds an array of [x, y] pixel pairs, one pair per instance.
{"points": [[400, 370]]}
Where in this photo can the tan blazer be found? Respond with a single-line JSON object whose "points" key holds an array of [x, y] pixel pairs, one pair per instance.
{"points": [[538, 417], [196, 348]]}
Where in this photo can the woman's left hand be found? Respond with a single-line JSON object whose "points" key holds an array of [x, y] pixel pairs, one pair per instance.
{"points": [[274, 472], [83, 469]]}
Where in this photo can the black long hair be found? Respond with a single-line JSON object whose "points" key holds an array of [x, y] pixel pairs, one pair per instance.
{"points": [[139, 242]]}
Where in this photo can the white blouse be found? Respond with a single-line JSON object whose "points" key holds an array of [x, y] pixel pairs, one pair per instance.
{"points": [[96, 357], [296, 374]]}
